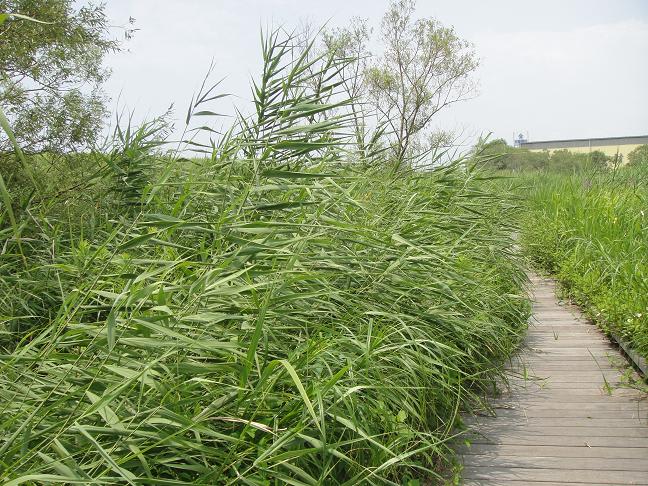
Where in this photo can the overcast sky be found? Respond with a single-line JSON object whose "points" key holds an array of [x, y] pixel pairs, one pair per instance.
{"points": [[554, 69]]}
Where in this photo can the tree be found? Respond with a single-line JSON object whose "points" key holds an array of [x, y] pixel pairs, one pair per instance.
{"points": [[424, 68], [51, 73], [350, 43], [498, 155], [494, 154], [598, 160], [639, 156]]}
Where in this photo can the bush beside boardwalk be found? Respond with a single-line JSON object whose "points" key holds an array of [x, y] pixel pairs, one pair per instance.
{"points": [[268, 314]]}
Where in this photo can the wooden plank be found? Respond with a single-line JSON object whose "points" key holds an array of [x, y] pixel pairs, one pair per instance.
{"points": [[487, 482], [553, 393], [548, 423], [577, 431], [496, 459], [558, 440], [579, 329], [558, 339], [535, 352], [588, 366], [566, 330], [567, 411], [591, 379], [562, 365], [547, 398], [545, 308], [570, 354], [581, 476], [556, 451], [555, 336], [556, 311], [594, 362], [502, 482], [552, 344], [596, 350], [548, 383], [570, 412], [581, 375], [558, 317]]}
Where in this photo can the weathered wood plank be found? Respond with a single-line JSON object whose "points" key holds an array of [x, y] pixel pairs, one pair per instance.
{"points": [[496, 459], [524, 430], [559, 440], [563, 366], [580, 375], [579, 329], [549, 398], [550, 423], [572, 395], [595, 351], [570, 354], [550, 341], [567, 409], [582, 476], [488, 482], [548, 382], [570, 412], [556, 451]]}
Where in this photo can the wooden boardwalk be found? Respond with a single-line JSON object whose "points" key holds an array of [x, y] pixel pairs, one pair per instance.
{"points": [[564, 420]]}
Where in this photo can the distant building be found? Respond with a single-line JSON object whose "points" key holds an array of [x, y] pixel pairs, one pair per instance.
{"points": [[519, 140], [609, 146]]}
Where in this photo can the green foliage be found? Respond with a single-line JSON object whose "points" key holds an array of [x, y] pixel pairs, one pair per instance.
{"points": [[351, 44], [423, 68], [51, 73], [326, 327], [639, 156], [590, 230], [269, 314], [498, 155], [133, 160], [566, 161]]}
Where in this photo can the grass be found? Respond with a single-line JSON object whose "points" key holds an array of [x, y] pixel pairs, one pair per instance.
{"points": [[267, 314], [591, 231]]}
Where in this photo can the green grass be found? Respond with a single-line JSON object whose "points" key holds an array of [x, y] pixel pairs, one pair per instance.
{"points": [[591, 230], [334, 341], [267, 314]]}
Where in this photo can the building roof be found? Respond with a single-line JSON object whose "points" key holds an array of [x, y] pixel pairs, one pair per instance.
{"points": [[586, 142]]}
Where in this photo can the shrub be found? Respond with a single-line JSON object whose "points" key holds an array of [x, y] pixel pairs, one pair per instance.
{"points": [[639, 156]]}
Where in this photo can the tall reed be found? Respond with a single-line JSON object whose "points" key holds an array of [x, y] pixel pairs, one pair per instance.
{"points": [[270, 314]]}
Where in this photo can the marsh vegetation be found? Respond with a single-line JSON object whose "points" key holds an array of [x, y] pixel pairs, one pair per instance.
{"points": [[311, 295]]}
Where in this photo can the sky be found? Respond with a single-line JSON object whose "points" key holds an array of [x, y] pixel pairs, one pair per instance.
{"points": [[550, 69]]}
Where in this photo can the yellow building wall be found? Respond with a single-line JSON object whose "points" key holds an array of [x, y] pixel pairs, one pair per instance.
{"points": [[610, 150]]}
